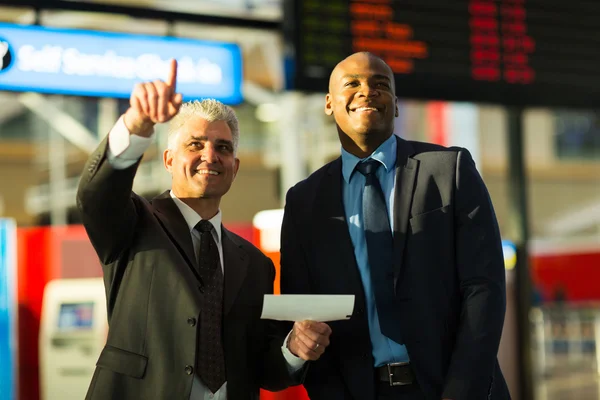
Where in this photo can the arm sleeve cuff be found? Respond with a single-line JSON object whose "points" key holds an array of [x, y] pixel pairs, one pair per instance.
{"points": [[294, 364], [124, 149]]}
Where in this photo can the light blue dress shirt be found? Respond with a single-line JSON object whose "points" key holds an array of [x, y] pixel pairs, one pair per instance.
{"points": [[385, 350]]}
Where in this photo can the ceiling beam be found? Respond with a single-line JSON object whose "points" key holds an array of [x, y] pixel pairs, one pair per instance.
{"points": [[140, 12]]}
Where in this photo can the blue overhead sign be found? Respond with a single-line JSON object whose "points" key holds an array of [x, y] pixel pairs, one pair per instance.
{"points": [[101, 64]]}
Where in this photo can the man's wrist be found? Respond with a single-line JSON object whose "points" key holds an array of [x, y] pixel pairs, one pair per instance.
{"points": [[136, 124], [287, 344]]}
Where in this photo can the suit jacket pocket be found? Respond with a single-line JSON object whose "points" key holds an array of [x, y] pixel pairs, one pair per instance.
{"points": [[422, 221], [123, 362]]}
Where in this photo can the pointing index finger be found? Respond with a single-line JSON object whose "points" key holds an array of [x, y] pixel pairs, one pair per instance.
{"points": [[172, 78]]}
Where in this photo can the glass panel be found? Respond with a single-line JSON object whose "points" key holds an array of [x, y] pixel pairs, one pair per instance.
{"points": [[563, 165], [577, 135]]}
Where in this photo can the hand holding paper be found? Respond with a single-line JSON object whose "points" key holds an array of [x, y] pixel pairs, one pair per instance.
{"points": [[310, 336], [309, 339]]}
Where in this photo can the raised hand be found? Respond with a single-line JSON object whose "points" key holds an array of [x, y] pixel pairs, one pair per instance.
{"points": [[152, 103]]}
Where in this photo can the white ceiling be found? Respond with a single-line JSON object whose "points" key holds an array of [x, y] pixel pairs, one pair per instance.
{"points": [[259, 9]]}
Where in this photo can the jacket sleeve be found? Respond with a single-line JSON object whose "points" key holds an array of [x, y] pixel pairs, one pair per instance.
{"points": [[322, 378], [106, 204], [480, 268], [274, 372]]}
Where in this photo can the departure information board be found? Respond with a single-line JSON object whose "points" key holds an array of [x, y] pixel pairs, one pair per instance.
{"points": [[512, 52]]}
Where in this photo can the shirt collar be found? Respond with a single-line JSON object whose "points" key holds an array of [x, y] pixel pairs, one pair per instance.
{"points": [[192, 218], [385, 154]]}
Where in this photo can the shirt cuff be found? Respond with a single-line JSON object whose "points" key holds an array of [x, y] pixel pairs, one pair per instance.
{"points": [[294, 364], [124, 149]]}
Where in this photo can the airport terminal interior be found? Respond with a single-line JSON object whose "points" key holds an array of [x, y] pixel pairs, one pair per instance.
{"points": [[54, 316]]}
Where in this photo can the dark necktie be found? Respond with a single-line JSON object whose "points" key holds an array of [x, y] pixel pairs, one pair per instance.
{"points": [[210, 360], [379, 249]]}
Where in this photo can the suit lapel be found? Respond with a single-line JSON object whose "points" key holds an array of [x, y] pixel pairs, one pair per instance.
{"points": [[234, 257], [329, 209], [236, 267], [406, 172], [173, 222]]}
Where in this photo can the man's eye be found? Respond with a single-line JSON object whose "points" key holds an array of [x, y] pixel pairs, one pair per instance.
{"points": [[351, 84], [384, 84]]}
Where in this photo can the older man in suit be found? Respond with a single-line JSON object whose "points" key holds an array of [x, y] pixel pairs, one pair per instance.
{"points": [[184, 294], [409, 229]]}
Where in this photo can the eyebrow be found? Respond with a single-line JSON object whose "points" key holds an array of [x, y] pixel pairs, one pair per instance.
{"points": [[198, 138], [205, 138]]}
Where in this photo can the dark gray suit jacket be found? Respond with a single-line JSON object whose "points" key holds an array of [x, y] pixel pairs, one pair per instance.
{"points": [[448, 276], [153, 296]]}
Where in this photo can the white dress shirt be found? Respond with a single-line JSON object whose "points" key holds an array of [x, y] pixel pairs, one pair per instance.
{"points": [[199, 390], [124, 149]]}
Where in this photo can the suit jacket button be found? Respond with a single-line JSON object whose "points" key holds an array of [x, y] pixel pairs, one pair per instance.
{"points": [[191, 321], [189, 369]]}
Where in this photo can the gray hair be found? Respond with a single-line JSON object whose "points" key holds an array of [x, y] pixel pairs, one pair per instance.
{"points": [[208, 109]]}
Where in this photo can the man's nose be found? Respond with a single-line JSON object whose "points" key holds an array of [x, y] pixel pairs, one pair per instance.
{"points": [[209, 154], [368, 90]]}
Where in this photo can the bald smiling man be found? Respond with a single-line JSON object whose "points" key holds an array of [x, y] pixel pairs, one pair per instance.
{"points": [[409, 229]]}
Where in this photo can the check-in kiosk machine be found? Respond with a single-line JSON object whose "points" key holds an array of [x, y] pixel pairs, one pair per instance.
{"points": [[72, 334]]}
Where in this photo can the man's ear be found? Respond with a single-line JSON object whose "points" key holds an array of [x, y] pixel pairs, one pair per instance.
{"points": [[328, 109], [397, 114], [236, 167], [168, 159]]}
